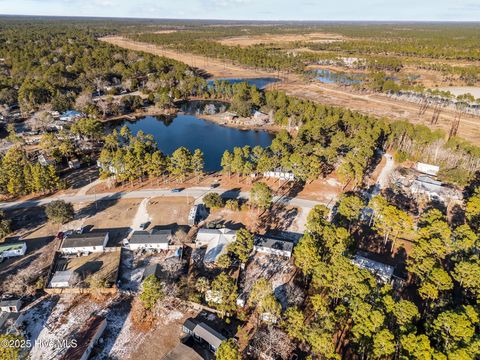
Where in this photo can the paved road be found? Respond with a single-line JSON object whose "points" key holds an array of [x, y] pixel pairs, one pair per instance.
{"points": [[196, 192]]}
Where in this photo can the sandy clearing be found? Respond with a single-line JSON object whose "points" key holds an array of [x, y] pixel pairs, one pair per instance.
{"points": [[317, 37], [460, 90]]}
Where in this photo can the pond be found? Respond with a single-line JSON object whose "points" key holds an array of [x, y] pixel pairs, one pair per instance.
{"points": [[332, 77], [260, 83], [194, 133]]}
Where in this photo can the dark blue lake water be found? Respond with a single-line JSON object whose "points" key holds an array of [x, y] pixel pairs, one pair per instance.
{"points": [[260, 83], [194, 133]]}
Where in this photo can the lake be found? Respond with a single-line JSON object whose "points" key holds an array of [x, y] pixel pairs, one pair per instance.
{"points": [[332, 77], [260, 83], [194, 133]]}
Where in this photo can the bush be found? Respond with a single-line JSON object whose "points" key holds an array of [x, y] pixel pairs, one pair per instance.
{"points": [[213, 201], [400, 156], [233, 205], [59, 212]]}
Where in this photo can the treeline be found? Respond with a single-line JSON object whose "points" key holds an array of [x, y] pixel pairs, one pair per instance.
{"points": [[336, 138], [21, 176], [53, 64], [131, 157], [254, 56]]}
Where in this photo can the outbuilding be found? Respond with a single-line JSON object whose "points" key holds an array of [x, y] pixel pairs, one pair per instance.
{"points": [[8, 250], [61, 279], [11, 305]]}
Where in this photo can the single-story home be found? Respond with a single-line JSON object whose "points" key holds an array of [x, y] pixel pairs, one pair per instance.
{"points": [[202, 332], [382, 271], [216, 241], [89, 242], [273, 246], [13, 305], [86, 338], [158, 240], [8, 250], [71, 115], [61, 279]]}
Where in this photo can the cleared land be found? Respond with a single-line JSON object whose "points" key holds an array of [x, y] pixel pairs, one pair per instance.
{"points": [[318, 37], [372, 104]]}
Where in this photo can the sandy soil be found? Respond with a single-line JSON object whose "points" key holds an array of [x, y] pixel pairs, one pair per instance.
{"points": [[378, 105], [317, 37]]}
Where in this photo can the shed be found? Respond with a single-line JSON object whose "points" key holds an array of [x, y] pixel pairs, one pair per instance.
{"points": [[158, 240], [61, 279], [12, 305], [8, 250], [90, 242]]}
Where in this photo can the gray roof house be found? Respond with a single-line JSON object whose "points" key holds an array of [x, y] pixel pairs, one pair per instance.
{"points": [[159, 240], [274, 246], [89, 242], [11, 305], [202, 332]]}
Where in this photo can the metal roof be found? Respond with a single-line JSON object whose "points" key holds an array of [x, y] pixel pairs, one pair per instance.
{"points": [[208, 334], [11, 246]]}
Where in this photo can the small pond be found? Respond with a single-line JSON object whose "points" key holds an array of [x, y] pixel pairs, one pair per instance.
{"points": [[260, 83]]}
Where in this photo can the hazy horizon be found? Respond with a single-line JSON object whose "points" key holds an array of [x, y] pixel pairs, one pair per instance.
{"points": [[249, 10]]}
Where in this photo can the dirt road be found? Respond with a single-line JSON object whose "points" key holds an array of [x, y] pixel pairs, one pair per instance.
{"points": [[378, 105]]}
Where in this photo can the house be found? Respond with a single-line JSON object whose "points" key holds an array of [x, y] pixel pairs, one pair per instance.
{"points": [[8, 250], [62, 279], [158, 240], [9, 306], [279, 174], [74, 164], [273, 246], [426, 185], [71, 115], [427, 169], [45, 160], [261, 117], [382, 271], [86, 338], [201, 332], [216, 241], [84, 243], [229, 116]]}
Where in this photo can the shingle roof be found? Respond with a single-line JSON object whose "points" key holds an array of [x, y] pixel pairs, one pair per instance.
{"points": [[190, 324], [145, 237], [83, 240], [273, 243], [208, 334]]}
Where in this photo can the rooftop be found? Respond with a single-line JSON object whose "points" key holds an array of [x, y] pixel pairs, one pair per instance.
{"points": [[11, 246], [145, 237], [84, 240], [273, 243], [84, 337], [383, 271]]}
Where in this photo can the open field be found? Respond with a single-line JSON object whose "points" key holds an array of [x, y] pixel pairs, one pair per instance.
{"points": [[378, 105], [318, 37]]}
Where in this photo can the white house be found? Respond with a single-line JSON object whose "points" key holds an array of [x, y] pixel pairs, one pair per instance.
{"points": [[216, 241], [85, 243], [61, 279], [382, 271], [427, 169], [8, 250], [273, 246], [158, 240], [10, 306]]}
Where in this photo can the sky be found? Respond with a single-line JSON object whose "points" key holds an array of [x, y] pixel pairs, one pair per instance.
{"points": [[403, 10]]}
